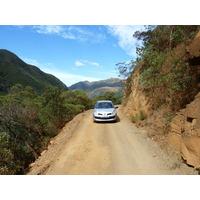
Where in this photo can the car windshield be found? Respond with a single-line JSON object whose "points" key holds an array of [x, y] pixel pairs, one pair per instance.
{"points": [[104, 105]]}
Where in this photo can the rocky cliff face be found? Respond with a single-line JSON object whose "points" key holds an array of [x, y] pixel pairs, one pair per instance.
{"points": [[175, 118], [184, 133], [137, 99]]}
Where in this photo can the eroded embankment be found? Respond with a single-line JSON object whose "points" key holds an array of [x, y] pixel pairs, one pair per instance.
{"points": [[180, 108]]}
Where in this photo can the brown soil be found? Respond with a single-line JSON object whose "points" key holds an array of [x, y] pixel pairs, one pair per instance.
{"points": [[87, 148]]}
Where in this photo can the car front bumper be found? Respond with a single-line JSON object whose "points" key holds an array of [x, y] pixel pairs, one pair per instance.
{"points": [[104, 119]]}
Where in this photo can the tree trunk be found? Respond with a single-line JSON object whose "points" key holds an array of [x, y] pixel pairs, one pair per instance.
{"points": [[31, 149], [170, 39]]}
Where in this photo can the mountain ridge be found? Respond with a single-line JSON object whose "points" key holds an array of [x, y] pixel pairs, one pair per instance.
{"points": [[98, 88], [14, 70], [87, 85]]}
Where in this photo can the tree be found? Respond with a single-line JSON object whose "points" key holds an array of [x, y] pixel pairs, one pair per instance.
{"points": [[77, 97], [126, 68], [28, 120], [166, 37], [6, 156]]}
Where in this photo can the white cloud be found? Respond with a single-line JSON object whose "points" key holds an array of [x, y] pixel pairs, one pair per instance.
{"points": [[78, 63], [50, 29], [124, 34], [69, 79], [84, 62], [91, 63], [68, 36], [71, 32]]}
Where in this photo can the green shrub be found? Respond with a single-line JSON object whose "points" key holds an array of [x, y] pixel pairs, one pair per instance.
{"points": [[6, 155], [140, 116], [29, 120], [169, 117], [159, 66], [116, 98]]}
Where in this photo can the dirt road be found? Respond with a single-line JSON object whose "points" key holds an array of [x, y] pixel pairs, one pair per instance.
{"points": [[103, 148]]}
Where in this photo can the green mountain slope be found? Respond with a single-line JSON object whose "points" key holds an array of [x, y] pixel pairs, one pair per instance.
{"points": [[13, 70]]}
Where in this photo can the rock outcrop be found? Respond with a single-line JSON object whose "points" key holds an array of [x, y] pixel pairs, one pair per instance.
{"points": [[136, 100], [184, 135]]}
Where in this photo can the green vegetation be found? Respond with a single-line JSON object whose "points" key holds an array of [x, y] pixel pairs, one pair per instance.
{"points": [[13, 70], [34, 106], [164, 72], [165, 37], [28, 120], [100, 91], [125, 68], [159, 43], [140, 116], [32, 110], [169, 117], [112, 96]]}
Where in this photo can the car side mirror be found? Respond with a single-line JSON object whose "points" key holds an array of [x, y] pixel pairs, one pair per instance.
{"points": [[116, 107]]}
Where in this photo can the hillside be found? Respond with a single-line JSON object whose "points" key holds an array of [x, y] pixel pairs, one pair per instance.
{"points": [[162, 92], [98, 88], [99, 91], [13, 70], [86, 85], [28, 120]]}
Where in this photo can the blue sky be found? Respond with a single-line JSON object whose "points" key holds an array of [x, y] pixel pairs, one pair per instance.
{"points": [[72, 53]]}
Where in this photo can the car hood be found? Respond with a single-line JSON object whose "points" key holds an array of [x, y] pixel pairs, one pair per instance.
{"points": [[104, 110]]}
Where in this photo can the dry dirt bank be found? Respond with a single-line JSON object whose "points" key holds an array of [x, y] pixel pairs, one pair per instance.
{"points": [[84, 147]]}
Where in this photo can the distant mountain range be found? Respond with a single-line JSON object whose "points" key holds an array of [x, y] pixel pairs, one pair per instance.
{"points": [[97, 88], [86, 85], [13, 70]]}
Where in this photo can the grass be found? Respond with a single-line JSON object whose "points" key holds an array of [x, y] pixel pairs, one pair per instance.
{"points": [[169, 117], [140, 116]]}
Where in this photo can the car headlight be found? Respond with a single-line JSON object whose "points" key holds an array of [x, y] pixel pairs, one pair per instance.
{"points": [[113, 113]]}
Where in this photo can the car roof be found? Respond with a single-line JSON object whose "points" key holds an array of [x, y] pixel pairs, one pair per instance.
{"points": [[104, 101]]}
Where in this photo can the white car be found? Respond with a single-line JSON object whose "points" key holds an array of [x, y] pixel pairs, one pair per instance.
{"points": [[104, 111]]}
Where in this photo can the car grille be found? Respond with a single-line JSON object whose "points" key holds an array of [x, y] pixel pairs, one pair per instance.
{"points": [[104, 114], [111, 117]]}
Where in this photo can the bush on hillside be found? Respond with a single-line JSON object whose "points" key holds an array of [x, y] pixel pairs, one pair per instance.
{"points": [[28, 121], [163, 74], [140, 116], [112, 96]]}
